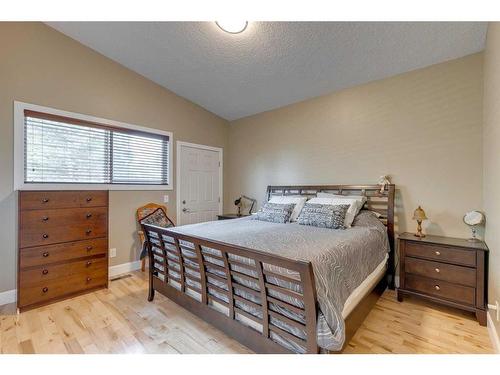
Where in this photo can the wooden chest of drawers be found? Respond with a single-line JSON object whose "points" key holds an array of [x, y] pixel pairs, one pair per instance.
{"points": [[450, 271], [63, 245]]}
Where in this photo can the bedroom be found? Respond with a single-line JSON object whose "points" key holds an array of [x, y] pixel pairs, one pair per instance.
{"points": [[356, 133]]}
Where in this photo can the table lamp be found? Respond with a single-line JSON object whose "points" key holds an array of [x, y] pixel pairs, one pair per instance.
{"points": [[419, 216]]}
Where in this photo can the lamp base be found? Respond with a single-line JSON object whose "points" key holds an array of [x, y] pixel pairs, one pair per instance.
{"points": [[419, 235]]}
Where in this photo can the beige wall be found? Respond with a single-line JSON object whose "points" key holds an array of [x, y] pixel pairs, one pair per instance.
{"points": [[491, 159], [41, 66], [424, 128]]}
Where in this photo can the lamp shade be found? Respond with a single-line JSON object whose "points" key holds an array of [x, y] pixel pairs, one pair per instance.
{"points": [[419, 214]]}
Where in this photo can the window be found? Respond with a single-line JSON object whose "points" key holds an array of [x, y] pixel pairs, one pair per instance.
{"points": [[60, 148]]}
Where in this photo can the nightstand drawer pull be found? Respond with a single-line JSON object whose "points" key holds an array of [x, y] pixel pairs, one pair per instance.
{"points": [[45, 218], [44, 272], [438, 270], [437, 287], [438, 253], [45, 289], [46, 254]]}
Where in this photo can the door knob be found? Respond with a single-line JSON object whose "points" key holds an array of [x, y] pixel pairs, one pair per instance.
{"points": [[185, 209]]}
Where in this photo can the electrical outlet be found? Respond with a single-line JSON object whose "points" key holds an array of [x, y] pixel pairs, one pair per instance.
{"points": [[112, 253], [165, 199]]}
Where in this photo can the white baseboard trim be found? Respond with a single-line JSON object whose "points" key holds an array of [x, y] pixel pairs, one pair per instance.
{"points": [[495, 340], [8, 296], [124, 268]]}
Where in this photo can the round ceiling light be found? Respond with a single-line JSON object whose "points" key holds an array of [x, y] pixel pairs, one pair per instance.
{"points": [[232, 27]]}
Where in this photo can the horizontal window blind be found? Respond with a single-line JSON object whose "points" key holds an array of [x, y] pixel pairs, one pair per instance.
{"points": [[63, 150]]}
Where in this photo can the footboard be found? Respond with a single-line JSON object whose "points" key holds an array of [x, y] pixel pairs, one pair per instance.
{"points": [[266, 302]]}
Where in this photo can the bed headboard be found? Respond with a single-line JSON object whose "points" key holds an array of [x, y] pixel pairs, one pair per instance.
{"points": [[379, 201]]}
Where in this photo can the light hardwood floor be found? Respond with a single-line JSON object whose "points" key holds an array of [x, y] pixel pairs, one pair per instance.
{"points": [[120, 320]]}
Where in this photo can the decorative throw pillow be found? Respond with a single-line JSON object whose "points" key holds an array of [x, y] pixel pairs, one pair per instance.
{"points": [[275, 212], [299, 202], [354, 206], [323, 215], [159, 218]]}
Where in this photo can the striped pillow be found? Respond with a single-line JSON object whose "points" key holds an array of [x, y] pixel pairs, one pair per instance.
{"points": [[323, 215], [275, 212]]}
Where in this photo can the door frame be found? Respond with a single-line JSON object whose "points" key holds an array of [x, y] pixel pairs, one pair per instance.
{"points": [[220, 150]]}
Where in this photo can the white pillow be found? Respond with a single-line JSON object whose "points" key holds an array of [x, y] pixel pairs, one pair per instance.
{"points": [[352, 211], [360, 198], [298, 201]]}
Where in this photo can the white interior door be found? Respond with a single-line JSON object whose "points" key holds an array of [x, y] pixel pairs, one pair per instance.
{"points": [[199, 176]]}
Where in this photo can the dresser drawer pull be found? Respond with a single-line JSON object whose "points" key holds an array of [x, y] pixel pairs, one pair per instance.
{"points": [[88, 231], [88, 216], [89, 199], [89, 263], [45, 200], [45, 255], [438, 253], [89, 248], [45, 235], [89, 279], [437, 287], [45, 218], [45, 289], [438, 270], [45, 272]]}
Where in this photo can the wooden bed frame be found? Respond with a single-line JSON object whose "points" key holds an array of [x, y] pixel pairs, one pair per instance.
{"points": [[261, 342]]}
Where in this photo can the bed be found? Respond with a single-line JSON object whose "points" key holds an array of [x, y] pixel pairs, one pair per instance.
{"points": [[280, 288]]}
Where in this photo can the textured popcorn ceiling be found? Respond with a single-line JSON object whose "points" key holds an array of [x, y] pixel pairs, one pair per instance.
{"points": [[272, 64]]}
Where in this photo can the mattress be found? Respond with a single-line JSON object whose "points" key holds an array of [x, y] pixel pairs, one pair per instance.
{"points": [[364, 288]]}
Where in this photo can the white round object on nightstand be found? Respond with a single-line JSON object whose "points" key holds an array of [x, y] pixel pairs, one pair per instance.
{"points": [[473, 219]]}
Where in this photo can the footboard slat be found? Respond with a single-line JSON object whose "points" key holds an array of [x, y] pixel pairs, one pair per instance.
{"points": [[263, 291], [182, 281], [203, 269]]}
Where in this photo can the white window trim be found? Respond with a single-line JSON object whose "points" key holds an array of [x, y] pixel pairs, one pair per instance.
{"points": [[19, 183]]}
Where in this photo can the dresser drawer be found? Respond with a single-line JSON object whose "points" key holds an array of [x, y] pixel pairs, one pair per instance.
{"points": [[36, 200], [37, 256], [93, 198], [62, 226], [441, 271], [441, 289], [61, 287], [49, 219], [38, 276], [441, 253]]}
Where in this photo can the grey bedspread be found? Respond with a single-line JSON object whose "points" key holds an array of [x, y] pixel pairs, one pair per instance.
{"points": [[341, 259]]}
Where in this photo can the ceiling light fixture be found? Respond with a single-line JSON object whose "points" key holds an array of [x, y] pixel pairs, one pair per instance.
{"points": [[232, 27]]}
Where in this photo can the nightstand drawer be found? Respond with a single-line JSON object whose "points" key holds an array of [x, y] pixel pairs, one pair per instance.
{"points": [[441, 253], [441, 271], [441, 289]]}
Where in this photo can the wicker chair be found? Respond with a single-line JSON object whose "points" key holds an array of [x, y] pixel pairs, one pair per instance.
{"points": [[154, 214]]}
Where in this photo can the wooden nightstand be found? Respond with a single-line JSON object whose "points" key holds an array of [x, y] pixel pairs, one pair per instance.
{"points": [[229, 216], [450, 271]]}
